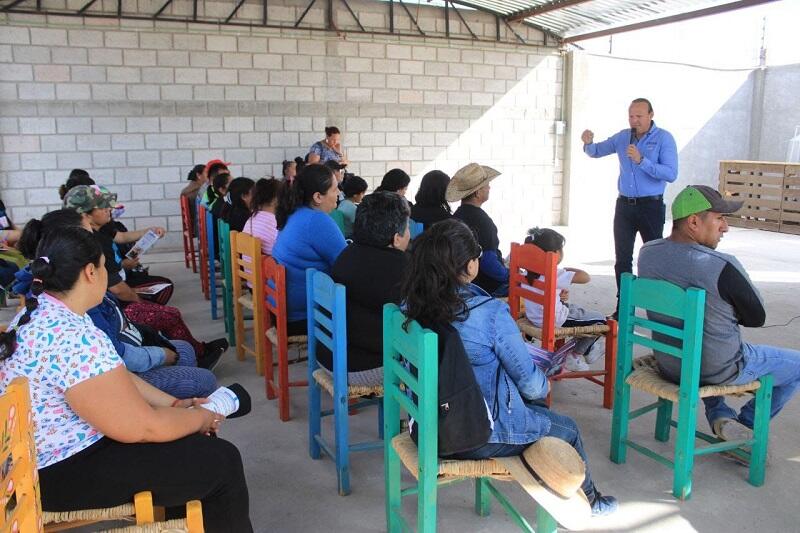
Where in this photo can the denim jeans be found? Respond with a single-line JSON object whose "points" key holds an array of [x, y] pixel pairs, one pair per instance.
{"points": [[561, 427], [646, 218], [759, 360]]}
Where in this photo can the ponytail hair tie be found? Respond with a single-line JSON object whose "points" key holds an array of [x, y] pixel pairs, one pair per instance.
{"points": [[45, 259], [37, 280]]}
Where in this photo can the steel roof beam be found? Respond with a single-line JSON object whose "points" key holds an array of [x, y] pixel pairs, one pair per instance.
{"points": [[715, 10], [554, 5]]}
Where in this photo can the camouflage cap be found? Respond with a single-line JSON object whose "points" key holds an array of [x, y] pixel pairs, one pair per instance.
{"points": [[84, 198]]}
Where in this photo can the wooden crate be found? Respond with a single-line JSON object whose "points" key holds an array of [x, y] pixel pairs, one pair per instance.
{"points": [[770, 192]]}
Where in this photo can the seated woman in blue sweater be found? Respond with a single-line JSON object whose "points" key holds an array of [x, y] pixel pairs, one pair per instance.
{"points": [[308, 238], [437, 288]]}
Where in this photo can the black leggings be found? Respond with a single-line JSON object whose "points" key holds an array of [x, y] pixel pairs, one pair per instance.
{"points": [[108, 473]]}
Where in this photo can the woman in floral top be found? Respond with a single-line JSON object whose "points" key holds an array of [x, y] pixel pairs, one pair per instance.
{"points": [[328, 149], [102, 435]]}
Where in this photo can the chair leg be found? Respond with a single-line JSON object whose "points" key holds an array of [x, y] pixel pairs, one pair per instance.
{"points": [[483, 502], [684, 447], [545, 523], [394, 504], [758, 452], [314, 415], [663, 419], [341, 430], [380, 419], [259, 337], [238, 319], [620, 418], [610, 364], [283, 382], [269, 369]]}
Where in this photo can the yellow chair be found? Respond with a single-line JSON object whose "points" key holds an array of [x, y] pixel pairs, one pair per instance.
{"points": [[20, 502], [246, 267]]}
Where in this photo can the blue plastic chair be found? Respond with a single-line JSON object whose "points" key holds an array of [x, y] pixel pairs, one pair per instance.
{"points": [[415, 228], [212, 269], [327, 323]]}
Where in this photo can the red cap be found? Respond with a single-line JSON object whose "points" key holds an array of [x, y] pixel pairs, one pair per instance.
{"points": [[215, 162]]}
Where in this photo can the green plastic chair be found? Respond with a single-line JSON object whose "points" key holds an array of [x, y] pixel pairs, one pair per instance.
{"points": [[406, 353], [224, 231], [664, 298], [338, 217]]}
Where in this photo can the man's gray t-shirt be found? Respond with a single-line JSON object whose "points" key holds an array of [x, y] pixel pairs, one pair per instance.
{"points": [[731, 300]]}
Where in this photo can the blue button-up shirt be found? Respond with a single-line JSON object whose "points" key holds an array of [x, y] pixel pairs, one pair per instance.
{"points": [[659, 164]]}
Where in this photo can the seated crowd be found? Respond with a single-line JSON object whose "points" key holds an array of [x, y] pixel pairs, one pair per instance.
{"points": [[118, 380]]}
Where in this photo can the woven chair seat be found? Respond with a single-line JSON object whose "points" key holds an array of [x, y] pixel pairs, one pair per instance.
{"points": [[325, 380], [246, 300], [177, 525], [119, 512], [407, 451], [645, 377], [272, 335], [527, 327]]}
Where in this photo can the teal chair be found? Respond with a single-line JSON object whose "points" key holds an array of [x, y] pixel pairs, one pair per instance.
{"points": [[224, 231], [327, 325], [686, 306], [338, 217], [411, 370]]}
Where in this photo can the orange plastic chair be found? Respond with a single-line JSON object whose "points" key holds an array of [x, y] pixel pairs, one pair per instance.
{"points": [[202, 229], [274, 297], [188, 234], [528, 257], [248, 286], [20, 503]]}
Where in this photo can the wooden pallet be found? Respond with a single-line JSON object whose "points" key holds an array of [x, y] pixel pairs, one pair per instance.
{"points": [[770, 191]]}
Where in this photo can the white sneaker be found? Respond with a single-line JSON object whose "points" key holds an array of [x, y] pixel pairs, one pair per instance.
{"points": [[575, 363], [597, 351]]}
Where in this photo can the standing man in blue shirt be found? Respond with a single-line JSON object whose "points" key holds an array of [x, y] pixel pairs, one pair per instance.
{"points": [[648, 160]]}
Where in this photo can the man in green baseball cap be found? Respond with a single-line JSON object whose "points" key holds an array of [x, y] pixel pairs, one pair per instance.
{"points": [[689, 258]]}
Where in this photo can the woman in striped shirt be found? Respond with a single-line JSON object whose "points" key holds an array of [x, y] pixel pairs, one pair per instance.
{"points": [[262, 223]]}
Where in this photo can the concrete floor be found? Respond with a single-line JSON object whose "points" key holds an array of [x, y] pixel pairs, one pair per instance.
{"points": [[291, 492]]}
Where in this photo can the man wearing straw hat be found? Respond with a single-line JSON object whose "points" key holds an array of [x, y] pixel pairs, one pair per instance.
{"points": [[688, 258], [471, 185]]}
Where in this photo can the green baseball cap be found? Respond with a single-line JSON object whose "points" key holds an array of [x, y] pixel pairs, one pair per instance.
{"points": [[84, 198], [698, 198]]}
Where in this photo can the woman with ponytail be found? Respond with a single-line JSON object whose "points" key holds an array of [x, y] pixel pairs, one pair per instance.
{"points": [[101, 433], [240, 208], [262, 223], [308, 238]]}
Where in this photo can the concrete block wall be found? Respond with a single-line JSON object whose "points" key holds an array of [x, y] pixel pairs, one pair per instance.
{"points": [[137, 103]]}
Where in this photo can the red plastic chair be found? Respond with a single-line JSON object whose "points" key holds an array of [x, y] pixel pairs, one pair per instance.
{"points": [[188, 234], [529, 257], [276, 326], [203, 243]]}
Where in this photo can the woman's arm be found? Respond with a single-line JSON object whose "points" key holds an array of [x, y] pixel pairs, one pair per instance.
{"points": [[113, 404], [124, 237], [518, 363]]}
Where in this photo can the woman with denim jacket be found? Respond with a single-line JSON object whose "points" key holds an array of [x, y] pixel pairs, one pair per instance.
{"points": [[437, 289]]}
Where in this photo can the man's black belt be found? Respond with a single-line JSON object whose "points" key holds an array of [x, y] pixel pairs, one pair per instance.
{"points": [[633, 200]]}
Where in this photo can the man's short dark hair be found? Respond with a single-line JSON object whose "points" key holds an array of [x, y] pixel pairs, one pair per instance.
{"points": [[379, 217], [644, 101]]}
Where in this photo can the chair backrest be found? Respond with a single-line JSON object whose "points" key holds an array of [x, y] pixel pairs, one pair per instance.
{"points": [[406, 352], [327, 322], [186, 217], [246, 264], [531, 258], [660, 302], [415, 228], [338, 217], [202, 235], [274, 294], [224, 232], [211, 240], [21, 503]]}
